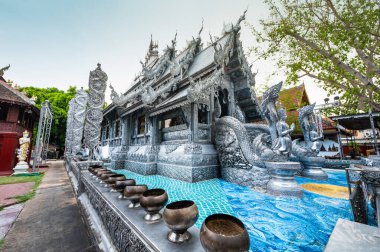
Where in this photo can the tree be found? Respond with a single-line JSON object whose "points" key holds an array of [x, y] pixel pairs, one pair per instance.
{"points": [[60, 105], [335, 42]]}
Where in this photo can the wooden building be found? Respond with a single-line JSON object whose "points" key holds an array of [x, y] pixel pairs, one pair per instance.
{"points": [[17, 114]]}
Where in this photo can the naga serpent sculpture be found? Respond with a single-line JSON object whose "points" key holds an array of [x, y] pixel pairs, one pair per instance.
{"points": [[78, 119], [244, 148], [311, 136], [97, 87]]}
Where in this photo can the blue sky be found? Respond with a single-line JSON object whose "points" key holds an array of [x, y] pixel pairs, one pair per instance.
{"points": [[56, 43]]}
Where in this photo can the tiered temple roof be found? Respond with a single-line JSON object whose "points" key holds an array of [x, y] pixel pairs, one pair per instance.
{"points": [[177, 79]]}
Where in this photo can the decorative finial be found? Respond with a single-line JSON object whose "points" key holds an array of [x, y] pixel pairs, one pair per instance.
{"points": [[174, 41], [212, 42], [242, 17], [2, 70], [200, 31]]}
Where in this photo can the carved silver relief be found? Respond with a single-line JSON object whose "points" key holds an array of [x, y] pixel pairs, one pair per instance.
{"points": [[171, 147], [69, 128], [193, 148], [79, 118], [94, 116], [310, 133]]}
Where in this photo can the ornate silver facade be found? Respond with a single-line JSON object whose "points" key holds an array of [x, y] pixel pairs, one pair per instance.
{"points": [[189, 115], [97, 86]]}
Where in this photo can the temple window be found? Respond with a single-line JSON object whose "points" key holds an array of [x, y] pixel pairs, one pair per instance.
{"points": [[3, 113], [20, 119], [170, 122], [107, 132], [223, 102], [141, 125], [117, 128], [203, 113]]}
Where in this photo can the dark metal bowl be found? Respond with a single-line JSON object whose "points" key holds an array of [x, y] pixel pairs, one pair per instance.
{"points": [[133, 193], [180, 216], [153, 201], [114, 177], [223, 232], [93, 168], [119, 186], [105, 175], [99, 172]]}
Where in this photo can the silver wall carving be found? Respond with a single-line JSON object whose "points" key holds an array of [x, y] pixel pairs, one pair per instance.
{"points": [[94, 115], [78, 119]]}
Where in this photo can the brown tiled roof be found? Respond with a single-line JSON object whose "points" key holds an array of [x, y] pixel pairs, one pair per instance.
{"points": [[291, 98], [12, 95]]}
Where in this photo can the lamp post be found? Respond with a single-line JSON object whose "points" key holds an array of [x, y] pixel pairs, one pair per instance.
{"points": [[318, 117]]}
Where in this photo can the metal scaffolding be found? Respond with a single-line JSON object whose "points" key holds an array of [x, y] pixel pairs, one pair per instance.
{"points": [[43, 135]]}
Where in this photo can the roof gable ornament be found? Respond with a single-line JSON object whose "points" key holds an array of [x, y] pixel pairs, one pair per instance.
{"points": [[157, 70], [177, 69], [152, 53], [2, 70]]}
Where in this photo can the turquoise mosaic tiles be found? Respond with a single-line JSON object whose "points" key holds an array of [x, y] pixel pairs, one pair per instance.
{"points": [[274, 224], [208, 195]]}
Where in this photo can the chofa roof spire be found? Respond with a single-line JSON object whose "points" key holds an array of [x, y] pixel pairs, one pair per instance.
{"points": [[152, 53]]}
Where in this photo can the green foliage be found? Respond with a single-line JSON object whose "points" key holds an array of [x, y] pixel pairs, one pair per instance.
{"points": [[60, 104], [335, 42], [354, 146], [20, 179]]}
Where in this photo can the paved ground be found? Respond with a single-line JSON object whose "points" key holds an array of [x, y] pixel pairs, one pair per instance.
{"points": [[7, 216], [9, 191], [51, 221]]}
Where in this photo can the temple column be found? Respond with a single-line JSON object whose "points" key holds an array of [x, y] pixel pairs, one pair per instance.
{"points": [[210, 115], [154, 131], [194, 122]]}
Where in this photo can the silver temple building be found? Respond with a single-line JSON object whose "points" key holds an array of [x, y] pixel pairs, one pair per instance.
{"points": [[188, 116]]}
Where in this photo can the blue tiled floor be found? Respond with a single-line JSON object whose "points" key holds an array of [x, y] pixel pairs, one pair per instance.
{"points": [[208, 195], [274, 224]]}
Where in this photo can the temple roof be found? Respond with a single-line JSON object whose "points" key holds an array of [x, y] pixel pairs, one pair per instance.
{"points": [[12, 95], [294, 98], [195, 72]]}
